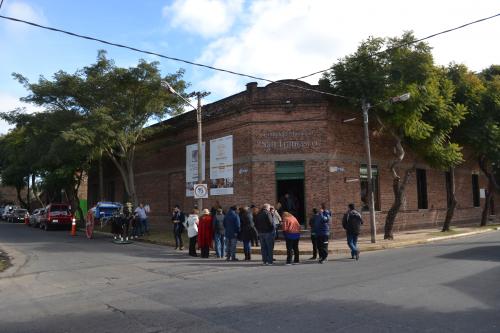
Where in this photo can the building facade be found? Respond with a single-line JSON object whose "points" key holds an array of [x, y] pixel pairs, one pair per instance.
{"points": [[283, 140]]}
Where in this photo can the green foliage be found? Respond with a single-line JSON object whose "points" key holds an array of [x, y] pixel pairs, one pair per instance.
{"points": [[425, 122], [99, 109]]}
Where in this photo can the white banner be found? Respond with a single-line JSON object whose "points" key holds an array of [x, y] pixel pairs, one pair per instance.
{"points": [[192, 167], [221, 166]]}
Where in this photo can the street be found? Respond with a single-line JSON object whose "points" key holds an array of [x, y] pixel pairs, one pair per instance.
{"points": [[65, 284]]}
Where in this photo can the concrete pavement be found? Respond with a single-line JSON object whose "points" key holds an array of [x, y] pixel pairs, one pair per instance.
{"points": [[66, 284]]}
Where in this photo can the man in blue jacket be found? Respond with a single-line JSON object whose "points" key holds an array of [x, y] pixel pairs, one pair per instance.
{"points": [[321, 227], [231, 230]]}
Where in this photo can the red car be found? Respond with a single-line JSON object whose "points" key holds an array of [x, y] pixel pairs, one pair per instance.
{"points": [[56, 215]]}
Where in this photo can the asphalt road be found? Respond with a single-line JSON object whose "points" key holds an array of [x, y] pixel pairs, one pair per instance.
{"points": [[64, 284]]}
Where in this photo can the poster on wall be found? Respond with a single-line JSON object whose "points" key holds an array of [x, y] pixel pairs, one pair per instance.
{"points": [[221, 166], [192, 167]]}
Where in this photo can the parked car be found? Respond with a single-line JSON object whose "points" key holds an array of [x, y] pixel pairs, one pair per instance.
{"points": [[35, 217], [7, 213], [56, 215], [18, 215]]}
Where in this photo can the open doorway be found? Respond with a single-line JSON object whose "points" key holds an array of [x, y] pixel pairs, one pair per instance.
{"points": [[290, 188], [291, 196]]}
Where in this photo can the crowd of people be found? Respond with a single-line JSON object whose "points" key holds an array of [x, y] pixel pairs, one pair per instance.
{"points": [[221, 231]]}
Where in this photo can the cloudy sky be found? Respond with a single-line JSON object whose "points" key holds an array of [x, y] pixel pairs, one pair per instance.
{"points": [[275, 39]]}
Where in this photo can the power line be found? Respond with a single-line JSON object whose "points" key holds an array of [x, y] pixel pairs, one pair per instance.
{"points": [[166, 57], [413, 42], [1, 3]]}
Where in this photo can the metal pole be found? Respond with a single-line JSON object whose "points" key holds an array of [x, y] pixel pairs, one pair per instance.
{"points": [[369, 187], [200, 155]]}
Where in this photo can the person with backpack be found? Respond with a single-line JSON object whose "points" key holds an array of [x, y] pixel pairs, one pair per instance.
{"points": [[352, 222]]}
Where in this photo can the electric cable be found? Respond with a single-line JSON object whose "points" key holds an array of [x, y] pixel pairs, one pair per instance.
{"points": [[410, 43], [167, 57]]}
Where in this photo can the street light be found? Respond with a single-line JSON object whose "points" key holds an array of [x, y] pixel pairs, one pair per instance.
{"points": [[371, 202], [166, 85]]}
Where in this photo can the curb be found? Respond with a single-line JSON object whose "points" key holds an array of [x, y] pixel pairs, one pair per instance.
{"points": [[341, 251]]}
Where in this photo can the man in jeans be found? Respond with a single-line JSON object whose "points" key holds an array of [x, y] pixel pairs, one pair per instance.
{"points": [[321, 228], [231, 229], [265, 228], [141, 217], [352, 222], [178, 219]]}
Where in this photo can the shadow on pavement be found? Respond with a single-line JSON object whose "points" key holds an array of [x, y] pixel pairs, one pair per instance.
{"points": [[484, 253], [297, 315]]}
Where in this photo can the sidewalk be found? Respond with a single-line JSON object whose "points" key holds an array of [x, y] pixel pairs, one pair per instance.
{"points": [[402, 239], [339, 246]]}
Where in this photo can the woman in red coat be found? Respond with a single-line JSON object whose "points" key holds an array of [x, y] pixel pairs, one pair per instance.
{"points": [[205, 233]]}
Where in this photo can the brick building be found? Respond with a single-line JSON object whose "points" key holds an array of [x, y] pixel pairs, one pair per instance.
{"points": [[289, 140]]}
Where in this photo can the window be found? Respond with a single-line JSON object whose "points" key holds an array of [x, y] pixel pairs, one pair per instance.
{"points": [[422, 189], [363, 180], [475, 191]]}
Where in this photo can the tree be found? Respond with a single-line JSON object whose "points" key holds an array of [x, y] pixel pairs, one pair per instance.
{"points": [[422, 124], [481, 129], [469, 91], [115, 104], [40, 151]]}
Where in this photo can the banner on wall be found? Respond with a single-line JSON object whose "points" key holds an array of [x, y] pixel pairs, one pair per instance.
{"points": [[192, 167], [221, 166]]}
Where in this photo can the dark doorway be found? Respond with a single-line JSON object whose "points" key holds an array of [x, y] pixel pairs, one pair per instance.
{"points": [[290, 188], [295, 190]]}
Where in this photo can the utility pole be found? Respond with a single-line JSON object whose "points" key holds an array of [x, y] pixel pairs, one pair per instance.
{"points": [[369, 187], [200, 155]]}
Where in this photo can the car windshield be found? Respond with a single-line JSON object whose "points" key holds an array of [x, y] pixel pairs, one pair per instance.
{"points": [[59, 210]]}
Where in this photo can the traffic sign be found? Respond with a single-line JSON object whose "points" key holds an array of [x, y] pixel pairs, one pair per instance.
{"points": [[200, 191]]}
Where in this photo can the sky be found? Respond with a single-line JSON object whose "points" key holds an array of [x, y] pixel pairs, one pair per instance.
{"points": [[274, 39]]}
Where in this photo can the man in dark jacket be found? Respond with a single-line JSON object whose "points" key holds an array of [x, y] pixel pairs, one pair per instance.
{"points": [[178, 219], [265, 228], [321, 227], [231, 229], [352, 222]]}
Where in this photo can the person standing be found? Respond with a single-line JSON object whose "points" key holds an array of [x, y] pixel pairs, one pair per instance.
{"points": [[322, 230], [191, 224], [178, 219], [326, 213], [218, 232], [247, 231], [255, 237], [276, 221], [147, 210], [264, 225], [205, 233], [231, 229], [314, 239], [352, 222], [140, 214], [291, 231]]}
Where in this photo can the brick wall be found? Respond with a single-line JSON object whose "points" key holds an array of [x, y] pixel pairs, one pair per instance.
{"points": [[279, 123]]}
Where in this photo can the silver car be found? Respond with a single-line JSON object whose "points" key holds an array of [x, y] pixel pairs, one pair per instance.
{"points": [[34, 220]]}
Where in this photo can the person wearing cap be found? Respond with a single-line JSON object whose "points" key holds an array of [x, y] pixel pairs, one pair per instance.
{"points": [[205, 233], [352, 222], [191, 224], [178, 219]]}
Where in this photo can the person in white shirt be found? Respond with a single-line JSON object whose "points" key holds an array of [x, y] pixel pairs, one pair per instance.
{"points": [[191, 224]]}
